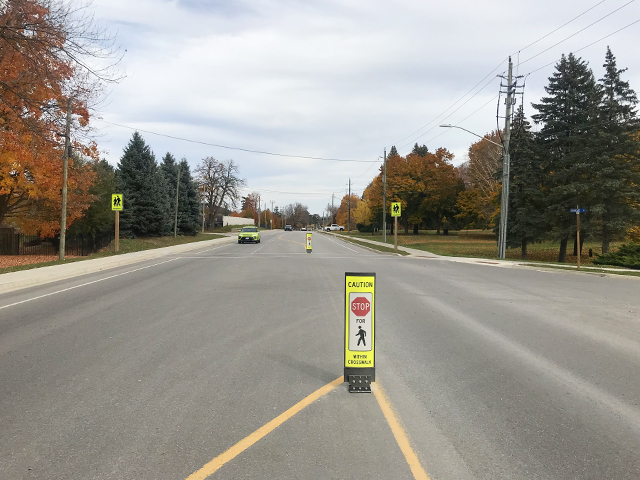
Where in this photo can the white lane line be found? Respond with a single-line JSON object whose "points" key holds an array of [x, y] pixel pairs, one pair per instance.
{"points": [[342, 245], [209, 249], [85, 284]]}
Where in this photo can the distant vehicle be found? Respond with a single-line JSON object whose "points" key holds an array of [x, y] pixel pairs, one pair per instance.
{"points": [[249, 234], [334, 227], [287, 228], [303, 229]]}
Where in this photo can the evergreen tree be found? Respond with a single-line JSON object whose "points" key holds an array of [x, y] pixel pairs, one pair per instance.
{"points": [[420, 151], [568, 142], [146, 209], [188, 205], [393, 152], [526, 199], [617, 166]]}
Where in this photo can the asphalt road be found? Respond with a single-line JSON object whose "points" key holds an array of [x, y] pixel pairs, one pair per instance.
{"points": [[152, 370]]}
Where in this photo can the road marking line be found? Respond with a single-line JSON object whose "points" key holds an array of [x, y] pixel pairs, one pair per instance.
{"points": [[399, 433], [215, 464], [85, 284], [343, 245]]}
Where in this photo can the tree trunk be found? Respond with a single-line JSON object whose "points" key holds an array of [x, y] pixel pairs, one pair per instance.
{"points": [[562, 256], [605, 245], [406, 227], [523, 255], [581, 243], [575, 246], [415, 228], [391, 224]]}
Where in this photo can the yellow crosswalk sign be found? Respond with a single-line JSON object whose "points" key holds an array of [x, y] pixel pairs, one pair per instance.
{"points": [[116, 201]]}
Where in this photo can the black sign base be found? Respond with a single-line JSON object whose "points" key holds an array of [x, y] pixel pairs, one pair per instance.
{"points": [[359, 383]]}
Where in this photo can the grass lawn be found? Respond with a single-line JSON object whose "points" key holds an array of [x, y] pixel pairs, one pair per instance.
{"points": [[127, 245], [481, 244]]}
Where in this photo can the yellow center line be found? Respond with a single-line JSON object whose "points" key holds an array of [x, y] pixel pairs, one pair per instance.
{"points": [[399, 433], [215, 464], [291, 241]]}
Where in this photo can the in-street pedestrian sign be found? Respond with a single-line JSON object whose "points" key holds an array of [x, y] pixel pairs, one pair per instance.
{"points": [[116, 202], [308, 242], [577, 210], [396, 209], [359, 345]]}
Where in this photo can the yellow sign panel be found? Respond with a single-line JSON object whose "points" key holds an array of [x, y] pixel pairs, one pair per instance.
{"points": [[116, 201], [308, 243], [359, 345], [396, 209]]}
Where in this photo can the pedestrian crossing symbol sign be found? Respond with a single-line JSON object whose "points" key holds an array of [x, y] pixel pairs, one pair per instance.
{"points": [[116, 202], [396, 209], [359, 348]]}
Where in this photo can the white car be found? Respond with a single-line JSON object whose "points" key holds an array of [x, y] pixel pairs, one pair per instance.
{"points": [[334, 227], [303, 229]]}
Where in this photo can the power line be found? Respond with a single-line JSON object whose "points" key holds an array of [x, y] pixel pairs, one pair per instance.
{"points": [[262, 152], [443, 119], [454, 104], [496, 68], [561, 26], [587, 46], [285, 193], [576, 33]]}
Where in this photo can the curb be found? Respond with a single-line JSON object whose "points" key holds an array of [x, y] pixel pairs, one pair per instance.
{"points": [[13, 281]]}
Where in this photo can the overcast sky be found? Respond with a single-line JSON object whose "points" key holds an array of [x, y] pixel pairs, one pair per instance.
{"points": [[335, 79]]}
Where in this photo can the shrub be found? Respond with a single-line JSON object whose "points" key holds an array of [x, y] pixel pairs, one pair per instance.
{"points": [[628, 255]]}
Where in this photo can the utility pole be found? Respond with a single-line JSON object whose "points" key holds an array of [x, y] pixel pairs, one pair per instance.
{"points": [[65, 174], [271, 214], [331, 221], [175, 220], [504, 201], [258, 211], [203, 215], [349, 218], [384, 199]]}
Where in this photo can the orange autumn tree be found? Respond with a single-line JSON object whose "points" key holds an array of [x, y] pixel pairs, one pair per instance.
{"points": [[342, 217], [43, 50]]}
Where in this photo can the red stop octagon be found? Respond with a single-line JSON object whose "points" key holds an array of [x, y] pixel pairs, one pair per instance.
{"points": [[360, 306]]}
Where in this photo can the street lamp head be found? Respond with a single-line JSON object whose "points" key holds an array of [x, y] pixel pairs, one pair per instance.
{"points": [[447, 125]]}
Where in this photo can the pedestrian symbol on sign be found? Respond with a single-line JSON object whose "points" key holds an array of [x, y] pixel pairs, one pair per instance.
{"points": [[396, 209], [116, 202], [361, 333]]}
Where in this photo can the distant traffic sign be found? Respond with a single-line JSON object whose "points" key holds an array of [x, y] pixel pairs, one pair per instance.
{"points": [[309, 242], [396, 209], [577, 210], [116, 202], [359, 345]]}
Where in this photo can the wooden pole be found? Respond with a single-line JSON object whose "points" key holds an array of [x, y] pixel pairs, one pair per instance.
{"points": [[578, 236], [117, 231], [395, 234]]}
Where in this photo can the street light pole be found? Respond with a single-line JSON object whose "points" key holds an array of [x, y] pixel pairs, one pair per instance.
{"points": [[502, 236]]}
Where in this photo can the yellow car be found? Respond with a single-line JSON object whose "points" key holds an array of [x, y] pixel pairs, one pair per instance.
{"points": [[249, 234]]}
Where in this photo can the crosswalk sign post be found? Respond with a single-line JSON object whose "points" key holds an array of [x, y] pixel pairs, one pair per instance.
{"points": [[116, 205], [359, 331], [578, 211], [308, 242], [396, 211]]}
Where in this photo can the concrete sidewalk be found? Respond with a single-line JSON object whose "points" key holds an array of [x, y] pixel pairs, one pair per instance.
{"points": [[12, 281], [414, 252]]}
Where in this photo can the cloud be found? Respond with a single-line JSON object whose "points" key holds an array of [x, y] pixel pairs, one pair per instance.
{"points": [[331, 79]]}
